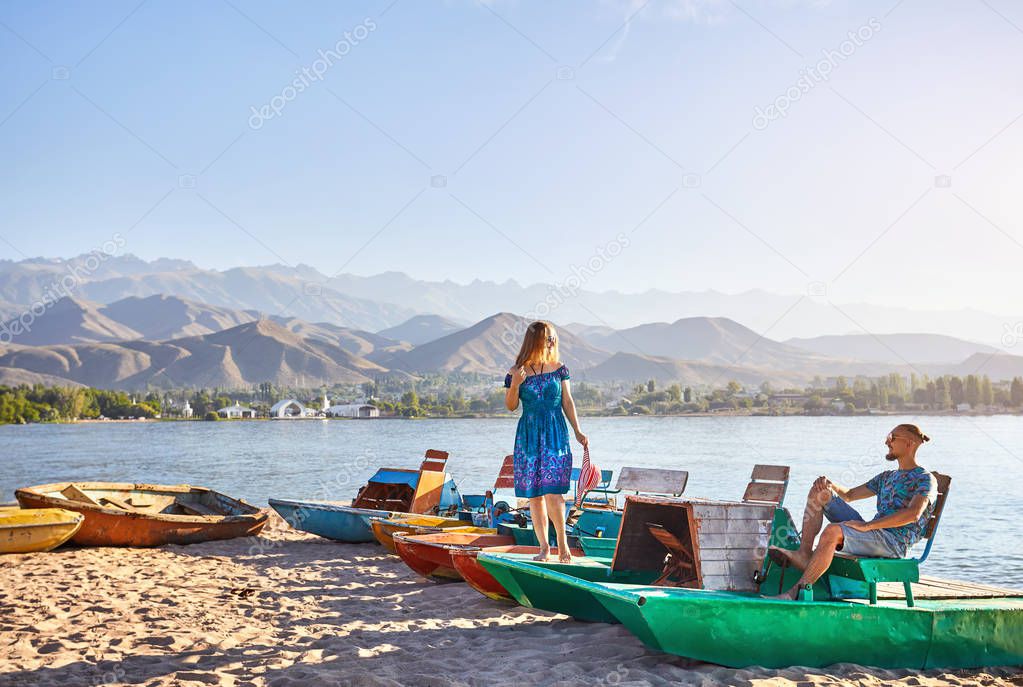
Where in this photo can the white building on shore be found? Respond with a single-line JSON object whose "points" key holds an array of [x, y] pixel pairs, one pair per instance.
{"points": [[290, 409], [237, 412], [359, 410]]}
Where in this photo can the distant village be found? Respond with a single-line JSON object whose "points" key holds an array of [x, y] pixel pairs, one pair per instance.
{"points": [[468, 396]]}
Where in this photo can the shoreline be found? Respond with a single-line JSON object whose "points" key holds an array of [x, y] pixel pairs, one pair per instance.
{"points": [[289, 608], [701, 414]]}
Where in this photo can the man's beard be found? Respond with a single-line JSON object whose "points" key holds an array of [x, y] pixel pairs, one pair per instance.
{"points": [[891, 456]]}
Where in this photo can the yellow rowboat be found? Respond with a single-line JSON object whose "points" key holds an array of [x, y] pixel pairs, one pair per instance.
{"points": [[384, 529], [36, 529]]}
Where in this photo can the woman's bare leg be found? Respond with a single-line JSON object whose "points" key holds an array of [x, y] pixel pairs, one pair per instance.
{"points": [[556, 512], [538, 512]]}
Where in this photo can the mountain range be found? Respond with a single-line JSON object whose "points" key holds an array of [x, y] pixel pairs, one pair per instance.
{"points": [[170, 342], [382, 301], [130, 324]]}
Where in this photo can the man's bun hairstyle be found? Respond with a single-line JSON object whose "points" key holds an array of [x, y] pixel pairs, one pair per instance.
{"points": [[915, 431]]}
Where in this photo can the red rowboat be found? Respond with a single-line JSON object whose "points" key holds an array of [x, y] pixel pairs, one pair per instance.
{"points": [[430, 554], [477, 577]]}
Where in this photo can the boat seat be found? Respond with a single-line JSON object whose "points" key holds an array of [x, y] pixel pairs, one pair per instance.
{"points": [[603, 487], [874, 570], [767, 484], [651, 481], [117, 503], [196, 508]]}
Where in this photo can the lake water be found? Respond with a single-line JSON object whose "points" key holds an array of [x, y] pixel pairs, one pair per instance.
{"points": [[979, 538]]}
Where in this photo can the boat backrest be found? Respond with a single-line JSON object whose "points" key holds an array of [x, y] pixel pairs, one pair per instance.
{"points": [[944, 482], [605, 478], [435, 461], [652, 481], [768, 484], [506, 475]]}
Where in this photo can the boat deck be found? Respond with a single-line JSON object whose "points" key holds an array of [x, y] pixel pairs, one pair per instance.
{"points": [[937, 588]]}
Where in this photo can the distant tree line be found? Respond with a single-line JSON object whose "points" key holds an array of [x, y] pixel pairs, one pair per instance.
{"points": [[38, 403]]}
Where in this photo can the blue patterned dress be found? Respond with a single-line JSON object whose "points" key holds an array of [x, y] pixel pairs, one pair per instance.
{"points": [[543, 457]]}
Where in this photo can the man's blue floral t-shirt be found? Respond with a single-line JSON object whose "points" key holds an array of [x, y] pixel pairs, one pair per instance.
{"points": [[895, 490]]}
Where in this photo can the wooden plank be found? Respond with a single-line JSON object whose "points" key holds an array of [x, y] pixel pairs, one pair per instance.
{"points": [[434, 461], [506, 475], [652, 480], [72, 493], [196, 508], [732, 511], [154, 504], [117, 503], [767, 492], [733, 527], [754, 553], [771, 473]]}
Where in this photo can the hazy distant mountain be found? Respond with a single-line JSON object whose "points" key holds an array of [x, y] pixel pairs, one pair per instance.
{"points": [[894, 348], [241, 356], [371, 303], [585, 331], [68, 320], [632, 367], [289, 292], [373, 347], [997, 366], [421, 329], [783, 315], [715, 340], [168, 317], [490, 347], [10, 376]]}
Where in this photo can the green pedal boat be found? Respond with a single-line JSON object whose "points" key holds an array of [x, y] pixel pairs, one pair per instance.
{"points": [[740, 629], [684, 580]]}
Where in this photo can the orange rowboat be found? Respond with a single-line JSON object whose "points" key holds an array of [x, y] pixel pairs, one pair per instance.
{"points": [[480, 579], [430, 554], [119, 514], [384, 529]]}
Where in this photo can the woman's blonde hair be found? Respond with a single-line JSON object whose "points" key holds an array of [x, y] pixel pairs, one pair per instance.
{"points": [[534, 346]]}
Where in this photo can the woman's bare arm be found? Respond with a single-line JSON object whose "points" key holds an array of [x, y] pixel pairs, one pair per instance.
{"points": [[568, 405], [511, 394]]}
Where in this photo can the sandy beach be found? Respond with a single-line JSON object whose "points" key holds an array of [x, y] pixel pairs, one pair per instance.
{"points": [[287, 608]]}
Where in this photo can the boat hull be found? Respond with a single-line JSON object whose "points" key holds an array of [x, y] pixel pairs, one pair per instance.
{"points": [[107, 526], [36, 529], [331, 521], [429, 555], [728, 628], [479, 578], [538, 585]]}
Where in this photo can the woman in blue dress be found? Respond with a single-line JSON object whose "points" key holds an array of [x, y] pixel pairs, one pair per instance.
{"points": [[543, 457]]}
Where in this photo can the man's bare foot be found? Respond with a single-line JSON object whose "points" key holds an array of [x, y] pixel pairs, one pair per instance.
{"points": [[564, 556], [544, 554], [790, 595], [796, 559]]}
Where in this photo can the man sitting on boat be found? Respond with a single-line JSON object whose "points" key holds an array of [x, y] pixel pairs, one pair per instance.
{"points": [[905, 501]]}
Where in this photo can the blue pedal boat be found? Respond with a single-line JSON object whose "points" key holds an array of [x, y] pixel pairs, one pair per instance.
{"points": [[389, 493]]}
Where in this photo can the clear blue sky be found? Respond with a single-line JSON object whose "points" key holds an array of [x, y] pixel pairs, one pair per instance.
{"points": [[651, 125]]}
